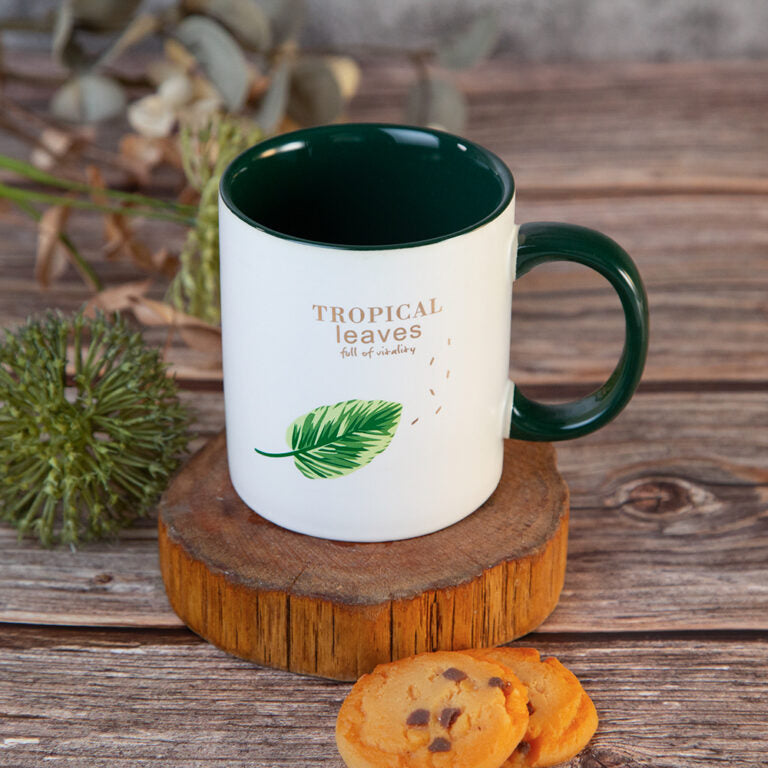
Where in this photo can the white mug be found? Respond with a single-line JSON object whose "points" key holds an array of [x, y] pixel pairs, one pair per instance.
{"points": [[366, 288]]}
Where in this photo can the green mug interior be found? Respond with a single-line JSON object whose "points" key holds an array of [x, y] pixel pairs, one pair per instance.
{"points": [[365, 185]]}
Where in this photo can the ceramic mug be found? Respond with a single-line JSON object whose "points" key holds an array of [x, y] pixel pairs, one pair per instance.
{"points": [[366, 288]]}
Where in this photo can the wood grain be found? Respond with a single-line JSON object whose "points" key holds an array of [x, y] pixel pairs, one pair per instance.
{"points": [[337, 609], [669, 521], [624, 128], [666, 158], [668, 530], [655, 127], [707, 290], [122, 699], [703, 260]]}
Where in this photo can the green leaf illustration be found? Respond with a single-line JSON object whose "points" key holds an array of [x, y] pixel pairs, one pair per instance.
{"points": [[335, 440]]}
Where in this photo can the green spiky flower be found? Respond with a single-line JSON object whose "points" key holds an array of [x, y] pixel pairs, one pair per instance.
{"points": [[91, 427]]}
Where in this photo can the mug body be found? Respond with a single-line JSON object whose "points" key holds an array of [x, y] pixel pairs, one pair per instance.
{"points": [[366, 282]]}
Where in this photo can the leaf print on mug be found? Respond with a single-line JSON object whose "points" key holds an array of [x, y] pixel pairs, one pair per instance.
{"points": [[335, 440]]}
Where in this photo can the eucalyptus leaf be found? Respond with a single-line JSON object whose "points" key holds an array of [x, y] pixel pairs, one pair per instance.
{"points": [[137, 29], [315, 96], [65, 48], [471, 44], [219, 55], [101, 15], [244, 18], [436, 102], [335, 440], [63, 28], [347, 73], [88, 98], [287, 18], [275, 100]]}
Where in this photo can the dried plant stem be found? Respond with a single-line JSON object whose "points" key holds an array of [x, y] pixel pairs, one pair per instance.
{"points": [[364, 49], [42, 23], [16, 194], [35, 78], [32, 77], [26, 118], [33, 173]]}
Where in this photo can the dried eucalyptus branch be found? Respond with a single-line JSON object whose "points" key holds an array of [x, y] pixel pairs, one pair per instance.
{"points": [[235, 71]]}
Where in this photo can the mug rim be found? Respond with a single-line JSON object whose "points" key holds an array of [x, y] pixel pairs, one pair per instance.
{"points": [[303, 134]]}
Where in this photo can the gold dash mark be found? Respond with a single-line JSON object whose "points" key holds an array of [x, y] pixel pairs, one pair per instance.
{"points": [[414, 421], [432, 392], [440, 408], [449, 342], [447, 374], [432, 361]]}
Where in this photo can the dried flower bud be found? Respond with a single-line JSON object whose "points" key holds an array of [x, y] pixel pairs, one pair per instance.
{"points": [[152, 116], [176, 91], [346, 73]]}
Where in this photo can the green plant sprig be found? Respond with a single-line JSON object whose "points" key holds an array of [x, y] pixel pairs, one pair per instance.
{"points": [[16, 194], [82, 459], [29, 171]]}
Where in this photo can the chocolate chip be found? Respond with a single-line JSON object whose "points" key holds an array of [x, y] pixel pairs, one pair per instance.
{"points": [[497, 682], [448, 716], [523, 748], [418, 717], [455, 674], [531, 708], [440, 745]]}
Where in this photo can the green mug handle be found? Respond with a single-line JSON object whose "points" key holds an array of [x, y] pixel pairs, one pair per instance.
{"points": [[543, 241]]}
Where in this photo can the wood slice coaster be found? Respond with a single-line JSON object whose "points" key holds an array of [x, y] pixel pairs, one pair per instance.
{"points": [[337, 609]]}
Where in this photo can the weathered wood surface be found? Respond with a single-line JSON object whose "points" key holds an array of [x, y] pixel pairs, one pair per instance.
{"points": [[338, 608], [668, 530], [123, 699], [703, 259], [619, 129], [571, 129], [670, 160]]}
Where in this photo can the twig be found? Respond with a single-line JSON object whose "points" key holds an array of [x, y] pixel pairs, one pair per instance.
{"points": [[25, 117], [28, 23], [361, 49], [32, 77]]}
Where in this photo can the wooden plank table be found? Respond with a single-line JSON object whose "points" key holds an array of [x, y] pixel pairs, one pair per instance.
{"points": [[664, 614]]}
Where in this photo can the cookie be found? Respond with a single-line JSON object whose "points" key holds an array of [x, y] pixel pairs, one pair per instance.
{"points": [[563, 717], [434, 710]]}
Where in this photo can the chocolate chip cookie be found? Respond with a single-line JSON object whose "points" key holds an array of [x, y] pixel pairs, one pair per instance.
{"points": [[562, 716], [435, 710]]}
